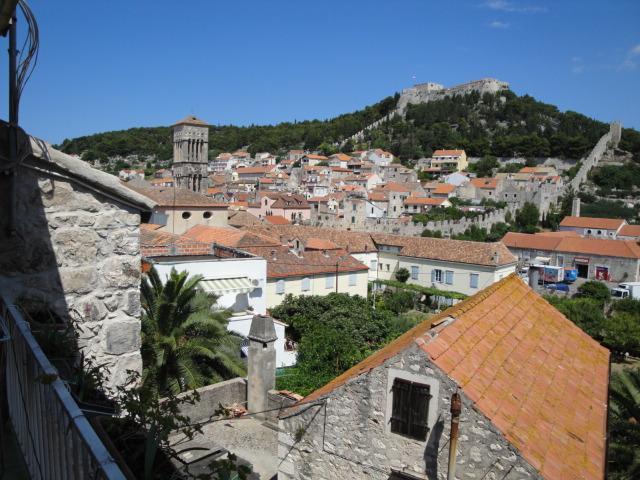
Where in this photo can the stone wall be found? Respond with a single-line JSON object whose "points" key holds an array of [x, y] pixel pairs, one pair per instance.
{"points": [[227, 393], [77, 250], [403, 227], [346, 436], [607, 141]]}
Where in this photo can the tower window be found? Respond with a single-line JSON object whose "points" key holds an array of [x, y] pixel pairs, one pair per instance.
{"points": [[186, 215], [206, 215]]}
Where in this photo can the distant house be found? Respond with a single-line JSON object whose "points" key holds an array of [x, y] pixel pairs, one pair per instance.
{"points": [[424, 204], [593, 227], [449, 161], [178, 209], [452, 265], [482, 189], [501, 364], [379, 157], [162, 182], [596, 258], [127, 175], [252, 174], [312, 159], [290, 206], [340, 160]]}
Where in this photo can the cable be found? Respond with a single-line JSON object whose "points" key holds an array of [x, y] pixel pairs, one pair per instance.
{"points": [[27, 61]]}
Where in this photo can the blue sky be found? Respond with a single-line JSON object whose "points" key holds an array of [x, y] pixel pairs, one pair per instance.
{"points": [[127, 63]]}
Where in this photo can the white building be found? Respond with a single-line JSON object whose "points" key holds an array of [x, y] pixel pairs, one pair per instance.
{"points": [[237, 278]]}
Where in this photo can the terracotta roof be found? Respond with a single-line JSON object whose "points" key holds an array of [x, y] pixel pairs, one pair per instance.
{"points": [[229, 237], [630, 231], [191, 120], [485, 183], [447, 153], [242, 218], [160, 244], [444, 188], [176, 197], [353, 242], [276, 220], [313, 156], [289, 201], [154, 181], [241, 153], [395, 187], [533, 373], [589, 222], [460, 251], [341, 156], [320, 244], [436, 202], [570, 244], [252, 170], [282, 262], [296, 152], [378, 196]]}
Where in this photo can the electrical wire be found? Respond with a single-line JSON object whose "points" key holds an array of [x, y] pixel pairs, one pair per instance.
{"points": [[28, 57]]}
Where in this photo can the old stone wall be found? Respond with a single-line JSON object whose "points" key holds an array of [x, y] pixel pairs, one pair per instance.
{"points": [[227, 393], [403, 227], [347, 435], [77, 251], [608, 141]]}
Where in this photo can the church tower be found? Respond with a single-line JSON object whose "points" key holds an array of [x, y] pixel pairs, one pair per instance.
{"points": [[190, 153]]}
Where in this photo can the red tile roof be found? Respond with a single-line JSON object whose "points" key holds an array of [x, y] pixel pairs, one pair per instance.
{"points": [[191, 120], [282, 262], [570, 244], [444, 188], [353, 242], [630, 231], [460, 251], [589, 222], [229, 237], [447, 153], [254, 170], [320, 244], [276, 220], [533, 373], [436, 202], [161, 244], [485, 183]]}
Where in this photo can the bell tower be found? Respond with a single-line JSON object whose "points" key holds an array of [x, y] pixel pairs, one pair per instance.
{"points": [[190, 153]]}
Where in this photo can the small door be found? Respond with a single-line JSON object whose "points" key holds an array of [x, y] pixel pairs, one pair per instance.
{"points": [[583, 270]]}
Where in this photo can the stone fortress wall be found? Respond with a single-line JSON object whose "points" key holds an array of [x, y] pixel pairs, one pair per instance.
{"points": [[426, 92]]}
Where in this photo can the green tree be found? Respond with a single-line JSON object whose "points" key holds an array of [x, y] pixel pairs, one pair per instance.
{"points": [[431, 233], [595, 290], [184, 344], [624, 452], [484, 167], [402, 275], [527, 218]]}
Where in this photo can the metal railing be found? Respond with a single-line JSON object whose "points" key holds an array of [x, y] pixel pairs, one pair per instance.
{"points": [[56, 439]]}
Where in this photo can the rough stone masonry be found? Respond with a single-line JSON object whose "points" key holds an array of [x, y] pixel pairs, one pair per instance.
{"points": [[76, 251]]}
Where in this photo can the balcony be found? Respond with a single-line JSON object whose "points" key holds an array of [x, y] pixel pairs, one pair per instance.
{"points": [[54, 436]]}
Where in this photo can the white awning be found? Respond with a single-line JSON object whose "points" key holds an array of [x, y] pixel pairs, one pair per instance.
{"points": [[227, 285]]}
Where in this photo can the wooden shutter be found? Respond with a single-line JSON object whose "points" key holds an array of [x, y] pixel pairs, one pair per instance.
{"points": [[410, 409]]}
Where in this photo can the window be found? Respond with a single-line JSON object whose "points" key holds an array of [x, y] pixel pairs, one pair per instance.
{"points": [[206, 215], [410, 411], [388, 267], [265, 201], [353, 207], [381, 265], [280, 287], [436, 276], [448, 277], [352, 279], [186, 215], [561, 260], [353, 219], [473, 280], [328, 281], [415, 270], [306, 284], [374, 265]]}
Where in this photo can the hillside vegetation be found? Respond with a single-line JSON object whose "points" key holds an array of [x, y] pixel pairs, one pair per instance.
{"points": [[503, 124]]}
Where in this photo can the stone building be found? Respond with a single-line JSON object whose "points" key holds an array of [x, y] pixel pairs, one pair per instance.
{"points": [[594, 258], [533, 390], [191, 154], [69, 244]]}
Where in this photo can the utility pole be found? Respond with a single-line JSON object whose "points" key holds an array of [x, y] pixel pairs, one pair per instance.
{"points": [[13, 122], [337, 263]]}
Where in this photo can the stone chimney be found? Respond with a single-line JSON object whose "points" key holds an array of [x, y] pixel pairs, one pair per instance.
{"points": [[262, 363], [575, 207]]}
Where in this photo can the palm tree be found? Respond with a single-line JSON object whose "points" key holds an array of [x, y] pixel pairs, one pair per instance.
{"points": [[624, 454], [185, 344]]}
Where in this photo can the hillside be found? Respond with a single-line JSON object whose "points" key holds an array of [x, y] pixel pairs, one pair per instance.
{"points": [[501, 124]]}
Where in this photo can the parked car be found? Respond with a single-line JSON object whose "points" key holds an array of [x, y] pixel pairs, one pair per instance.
{"points": [[557, 287]]}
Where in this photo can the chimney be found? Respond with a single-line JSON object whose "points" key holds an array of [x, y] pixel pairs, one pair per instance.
{"points": [[575, 207], [534, 275], [262, 364]]}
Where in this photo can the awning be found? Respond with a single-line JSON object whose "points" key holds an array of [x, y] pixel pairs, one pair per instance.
{"points": [[227, 285]]}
